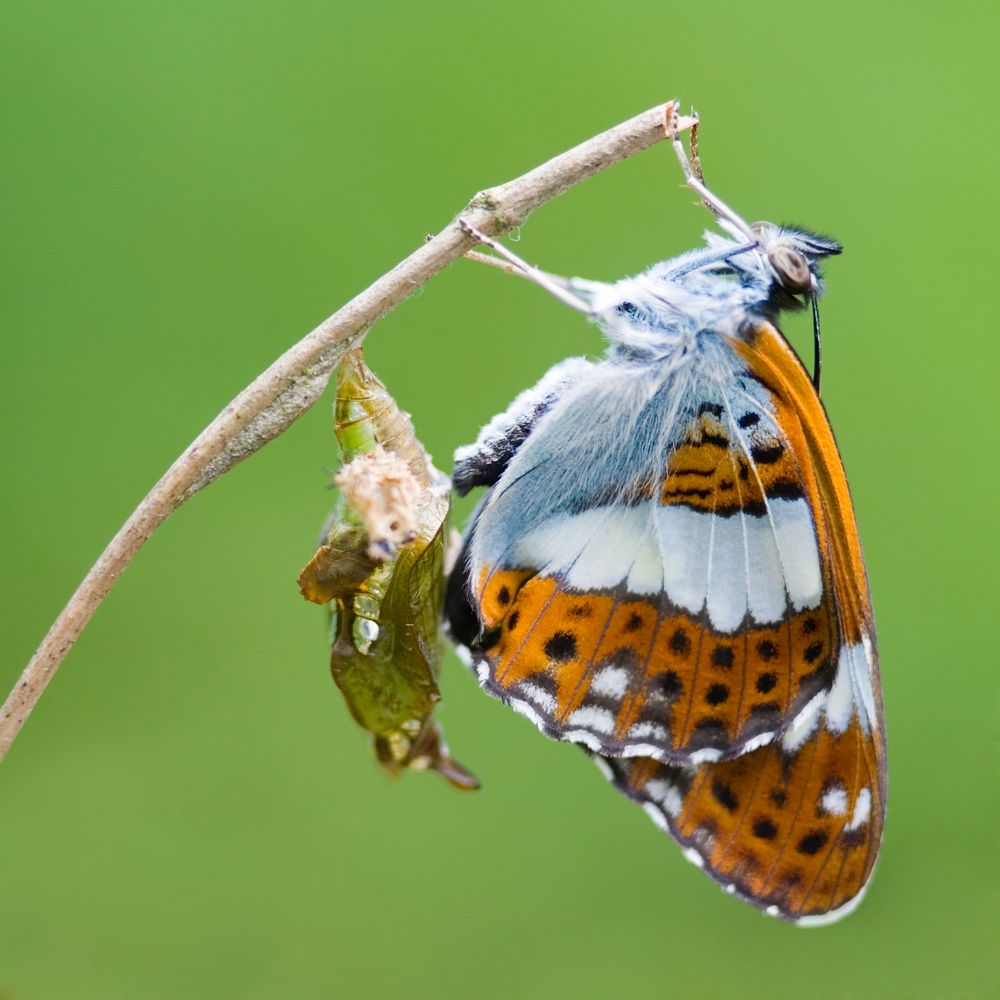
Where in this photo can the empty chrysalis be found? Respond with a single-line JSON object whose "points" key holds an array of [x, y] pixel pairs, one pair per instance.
{"points": [[380, 571]]}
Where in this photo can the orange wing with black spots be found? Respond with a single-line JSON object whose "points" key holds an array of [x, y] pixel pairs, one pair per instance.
{"points": [[794, 832], [724, 474], [615, 673]]}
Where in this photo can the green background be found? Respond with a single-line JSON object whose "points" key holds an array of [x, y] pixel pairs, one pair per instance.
{"points": [[186, 189]]}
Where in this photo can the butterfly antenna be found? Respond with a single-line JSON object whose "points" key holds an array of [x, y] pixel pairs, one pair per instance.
{"points": [[695, 180], [817, 344]]}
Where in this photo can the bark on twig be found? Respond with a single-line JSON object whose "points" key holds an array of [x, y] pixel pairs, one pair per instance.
{"points": [[286, 390]]}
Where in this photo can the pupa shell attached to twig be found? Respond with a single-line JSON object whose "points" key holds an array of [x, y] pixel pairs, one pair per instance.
{"points": [[380, 570]]}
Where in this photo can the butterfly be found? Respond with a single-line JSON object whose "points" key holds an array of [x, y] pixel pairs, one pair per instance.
{"points": [[666, 570]]}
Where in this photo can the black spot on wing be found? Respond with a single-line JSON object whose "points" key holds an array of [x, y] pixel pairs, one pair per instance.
{"points": [[691, 491], [767, 454], [561, 646], [719, 440], [722, 657], [767, 650], [785, 489], [634, 623], [764, 828], [717, 694], [813, 652], [812, 843], [725, 796], [680, 643]]}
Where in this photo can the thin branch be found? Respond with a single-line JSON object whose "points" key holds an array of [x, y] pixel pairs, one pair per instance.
{"points": [[286, 390]]}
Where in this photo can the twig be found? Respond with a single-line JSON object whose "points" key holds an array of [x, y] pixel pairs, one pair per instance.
{"points": [[283, 393]]}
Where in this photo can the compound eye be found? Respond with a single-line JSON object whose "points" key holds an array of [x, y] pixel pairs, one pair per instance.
{"points": [[791, 268], [628, 308]]}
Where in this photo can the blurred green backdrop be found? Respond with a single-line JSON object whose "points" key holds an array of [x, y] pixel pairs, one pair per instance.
{"points": [[189, 187]]}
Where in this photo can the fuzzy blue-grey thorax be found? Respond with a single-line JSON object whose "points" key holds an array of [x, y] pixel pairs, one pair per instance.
{"points": [[727, 286]]}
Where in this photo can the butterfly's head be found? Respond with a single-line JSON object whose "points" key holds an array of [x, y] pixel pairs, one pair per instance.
{"points": [[793, 258]]}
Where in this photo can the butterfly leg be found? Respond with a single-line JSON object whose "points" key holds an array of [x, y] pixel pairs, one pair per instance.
{"points": [[488, 258], [553, 284], [694, 179]]}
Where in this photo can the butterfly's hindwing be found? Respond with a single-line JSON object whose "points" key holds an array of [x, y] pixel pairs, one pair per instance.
{"points": [[793, 827]]}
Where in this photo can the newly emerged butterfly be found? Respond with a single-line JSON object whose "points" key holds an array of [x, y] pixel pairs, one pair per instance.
{"points": [[666, 570]]}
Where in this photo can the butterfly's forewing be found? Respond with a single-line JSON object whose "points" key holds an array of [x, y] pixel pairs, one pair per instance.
{"points": [[795, 826], [773, 362], [688, 615]]}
